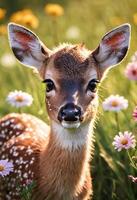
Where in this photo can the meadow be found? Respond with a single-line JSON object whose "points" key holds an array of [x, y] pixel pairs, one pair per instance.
{"points": [[83, 21]]}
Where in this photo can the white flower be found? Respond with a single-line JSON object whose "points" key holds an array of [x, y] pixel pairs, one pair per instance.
{"points": [[19, 99], [134, 57], [124, 141], [131, 71], [5, 167], [115, 103], [73, 32], [8, 60]]}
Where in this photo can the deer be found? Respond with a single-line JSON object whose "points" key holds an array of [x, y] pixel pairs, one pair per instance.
{"points": [[57, 156]]}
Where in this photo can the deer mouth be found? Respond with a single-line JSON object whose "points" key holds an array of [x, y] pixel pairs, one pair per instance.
{"points": [[70, 124]]}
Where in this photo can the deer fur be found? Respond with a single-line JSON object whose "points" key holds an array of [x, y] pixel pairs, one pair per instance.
{"points": [[57, 157]]}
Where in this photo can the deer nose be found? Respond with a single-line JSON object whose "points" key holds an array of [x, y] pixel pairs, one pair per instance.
{"points": [[70, 113]]}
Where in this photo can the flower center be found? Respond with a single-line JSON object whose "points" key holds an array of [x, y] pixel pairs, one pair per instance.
{"points": [[114, 103], [1, 168], [124, 141], [134, 72], [19, 98]]}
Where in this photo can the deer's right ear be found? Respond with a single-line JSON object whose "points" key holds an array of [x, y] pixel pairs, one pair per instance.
{"points": [[113, 47], [27, 47]]}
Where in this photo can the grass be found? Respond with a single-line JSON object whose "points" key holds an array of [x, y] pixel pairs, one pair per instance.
{"points": [[110, 169]]}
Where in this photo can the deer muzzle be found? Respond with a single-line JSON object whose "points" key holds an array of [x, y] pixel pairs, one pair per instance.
{"points": [[70, 115]]}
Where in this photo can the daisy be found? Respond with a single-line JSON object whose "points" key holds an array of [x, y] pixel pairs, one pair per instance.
{"points": [[135, 114], [19, 99], [8, 60], [115, 103], [134, 57], [5, 167], [124, 141], [73, 32], [131, 71]]}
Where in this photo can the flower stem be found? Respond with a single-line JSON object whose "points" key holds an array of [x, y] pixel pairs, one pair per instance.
{"points": [[117, 122], [55, 31], [131, 160], [19, 110]]}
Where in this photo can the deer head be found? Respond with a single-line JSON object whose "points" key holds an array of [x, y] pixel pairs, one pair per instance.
{"points": [[71, 72]]}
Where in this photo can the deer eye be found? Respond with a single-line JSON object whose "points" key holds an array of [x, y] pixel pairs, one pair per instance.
{"points": [[49, 85], [92, 85]]}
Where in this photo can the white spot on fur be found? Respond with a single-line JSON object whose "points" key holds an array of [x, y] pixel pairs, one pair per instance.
{"points": [[7, 122]]}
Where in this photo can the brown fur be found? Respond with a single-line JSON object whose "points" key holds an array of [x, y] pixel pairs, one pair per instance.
{"points": [[57, 158], [66, 170], [71, 71], [58, 173]]}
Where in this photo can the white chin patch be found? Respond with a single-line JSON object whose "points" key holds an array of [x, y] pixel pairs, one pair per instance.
{"points": [[70, 125]]}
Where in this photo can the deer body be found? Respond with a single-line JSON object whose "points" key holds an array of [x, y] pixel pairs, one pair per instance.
{"points": [[37, 155], [57, 157]]}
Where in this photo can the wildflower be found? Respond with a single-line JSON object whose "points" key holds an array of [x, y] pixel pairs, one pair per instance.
{"points": [[134, 57], [2, 13], [135, 114], [134, 179], [134, 158], [3, 30], [54, 10], [135, 18], [19, 99], [131, 71], [124, 141], [26, 18], [5, 167], [116, 20], [73, 32], [115, 103], [8, 60], [30, 20]]}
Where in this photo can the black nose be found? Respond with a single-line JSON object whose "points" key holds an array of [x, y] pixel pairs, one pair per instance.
{"points": [[70, 112]]}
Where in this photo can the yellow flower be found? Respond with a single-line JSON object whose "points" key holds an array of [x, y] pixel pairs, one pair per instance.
{"points": [[30, 20], [3, 29], [135, 18], [26, 11], [116, 20], [16, 17], [26, 18], [54, 10], [2, 13]]}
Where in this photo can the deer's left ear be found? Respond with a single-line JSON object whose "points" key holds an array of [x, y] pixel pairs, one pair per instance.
{"points": [[113, 47]]}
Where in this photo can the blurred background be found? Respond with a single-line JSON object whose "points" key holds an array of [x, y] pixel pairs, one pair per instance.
{"points": [[77, 21]]}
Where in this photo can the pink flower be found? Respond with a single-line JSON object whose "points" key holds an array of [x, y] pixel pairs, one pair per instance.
{"points": [[134, 57], [134, 179], [115, 103], [135, 114], [131, 71], [5, 167], [124, 141]]}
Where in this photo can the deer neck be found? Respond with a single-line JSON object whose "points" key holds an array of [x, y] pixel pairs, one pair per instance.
{"points": [[64, 162]]}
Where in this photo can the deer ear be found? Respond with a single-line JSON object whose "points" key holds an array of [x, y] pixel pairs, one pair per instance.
{"points": [[26, 46], [113, 47]]}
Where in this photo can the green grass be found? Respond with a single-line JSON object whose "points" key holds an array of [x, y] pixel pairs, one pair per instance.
{"points": [[110, 169]]}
